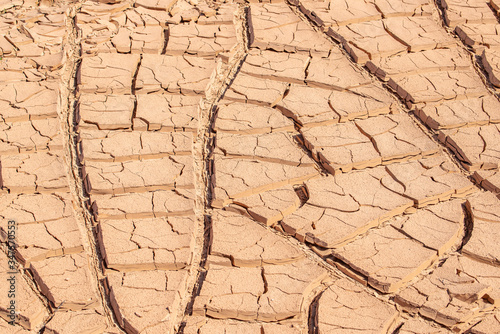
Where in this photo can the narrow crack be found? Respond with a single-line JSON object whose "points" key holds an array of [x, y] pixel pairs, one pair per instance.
{"points": [[468, 226], [312, 322]]}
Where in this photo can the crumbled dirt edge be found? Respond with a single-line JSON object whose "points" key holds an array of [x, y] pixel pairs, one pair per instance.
{"points": [[202, 154], [67, 115]]}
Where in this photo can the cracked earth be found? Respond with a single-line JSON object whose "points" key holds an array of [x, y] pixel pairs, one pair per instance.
{"points": [[279, 166]]}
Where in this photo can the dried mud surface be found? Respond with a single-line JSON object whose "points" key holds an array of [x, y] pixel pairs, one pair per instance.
{"points": [[202, 166]]}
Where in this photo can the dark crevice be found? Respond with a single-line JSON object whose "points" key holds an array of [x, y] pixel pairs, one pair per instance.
{"points": [[397, 329], [230, 82], [264, 280], [497, 14], [250, 33], [134, 81], [312, 321], [134, 77], [349, 271], [166, 37], [299, 140], [302, 192], [468, 226]]}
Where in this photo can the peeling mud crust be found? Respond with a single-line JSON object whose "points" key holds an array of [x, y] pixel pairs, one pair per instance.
{"points": [[178, 166]]}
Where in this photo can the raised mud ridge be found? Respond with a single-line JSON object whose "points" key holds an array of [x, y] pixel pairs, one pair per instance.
{"points": [[199, 166]]}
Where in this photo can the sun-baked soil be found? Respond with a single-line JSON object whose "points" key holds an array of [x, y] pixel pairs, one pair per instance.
{"points": [[262, 167]]}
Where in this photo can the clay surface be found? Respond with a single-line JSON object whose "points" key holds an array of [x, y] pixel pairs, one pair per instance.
{"points": [[261, 166]]}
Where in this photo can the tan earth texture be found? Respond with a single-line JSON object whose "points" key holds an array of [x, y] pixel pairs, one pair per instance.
{"points": [[249, 167]]}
